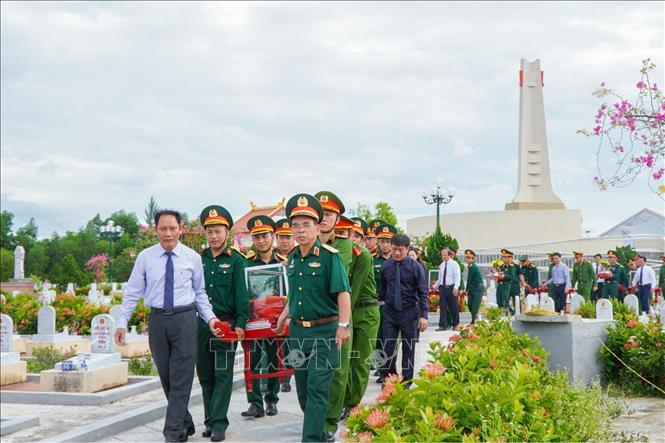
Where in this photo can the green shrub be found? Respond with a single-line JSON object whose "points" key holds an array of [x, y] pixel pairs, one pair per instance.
{"points": [[45, 358], [619, 310], [488, 384], [641, 346], [23, 309], [141, 367]]}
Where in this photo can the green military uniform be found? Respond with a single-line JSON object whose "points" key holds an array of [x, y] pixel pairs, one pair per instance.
{"points": [[504, 288], [225, 285], [550, 266], [530, 273], [263, 348], [585, 277], [661, 278], [387, 231], [315, 280], [365, 318], [475, 286], [619, 277]]}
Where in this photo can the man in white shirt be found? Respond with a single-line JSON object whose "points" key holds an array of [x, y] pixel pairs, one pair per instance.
{"points": [[448, 284], [644, 280], [597, 290]]}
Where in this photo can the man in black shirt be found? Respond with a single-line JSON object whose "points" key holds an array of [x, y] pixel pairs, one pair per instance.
{"points": [[403, 288]]}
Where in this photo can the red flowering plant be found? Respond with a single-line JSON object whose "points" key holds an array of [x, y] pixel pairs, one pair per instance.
{"points": [[631, 133], [640, 346], [22, 308], [491, 385]]}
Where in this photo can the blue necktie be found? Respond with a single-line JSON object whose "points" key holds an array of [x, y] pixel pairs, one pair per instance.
{"points": [[398, 288], [168, 282], [640, 282], [445, 271]]}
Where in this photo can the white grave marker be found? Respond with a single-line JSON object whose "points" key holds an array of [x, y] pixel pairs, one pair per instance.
{"points": [[604, 310], [70, 289], [102, 329], [547, 303], [46, 321], [531, 301], [632, 303], [6, 333], [576, 301]]}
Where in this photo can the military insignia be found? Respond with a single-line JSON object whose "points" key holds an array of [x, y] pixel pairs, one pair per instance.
{"points": [[385, 229], [316, 250], [225, 265], [315, 264], [356, 251], [324, 198], [285, 225], [329, 248], [213, 213], [357, 223], [302, 202], [258, 223]]}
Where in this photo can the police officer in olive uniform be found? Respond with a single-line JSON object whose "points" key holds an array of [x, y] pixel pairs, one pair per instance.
{"points": [[224, 270], [262, 229], [384, 233], [319, 307], [475, 287], [364, 315], [504, 288], [584, 275], [529, 272], [616, 284]]}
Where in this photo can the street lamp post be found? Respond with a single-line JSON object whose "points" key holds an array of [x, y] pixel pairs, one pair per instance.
{"points": [[438, 196], [111, 232]]}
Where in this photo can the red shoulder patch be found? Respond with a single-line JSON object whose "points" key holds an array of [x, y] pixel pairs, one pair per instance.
{"points": [[356, 251]]}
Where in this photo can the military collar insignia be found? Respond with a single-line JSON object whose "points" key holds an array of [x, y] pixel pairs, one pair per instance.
{"points": [[315, 251]]}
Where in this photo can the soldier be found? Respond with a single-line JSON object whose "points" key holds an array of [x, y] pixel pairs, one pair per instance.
{"points": [[285, 242], [617, 282], [384, 233], [508, 275], [365, 317], [583, 275], [319, 306], [597, 290], [262, 228], [224, 270], [370, 240], [333, 208], [550, 265], [474, 284], [529, 273], [285, 245], [661, 277]]}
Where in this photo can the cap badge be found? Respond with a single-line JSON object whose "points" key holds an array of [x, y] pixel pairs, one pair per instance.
{"points": [[302, 202], [212, 213]]}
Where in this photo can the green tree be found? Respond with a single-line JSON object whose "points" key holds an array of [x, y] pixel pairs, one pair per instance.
{"points": [[26, 236], [68, 271], [150, 211], [6, 264], [6, 223], [382, 211], [625, 253], [128, 221], [363, 211], [36, 260]]}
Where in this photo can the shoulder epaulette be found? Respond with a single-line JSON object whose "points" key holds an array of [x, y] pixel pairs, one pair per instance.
{"points": [[281, 257], [330, 248], [357, 251], [250, 255], [233, 248]]}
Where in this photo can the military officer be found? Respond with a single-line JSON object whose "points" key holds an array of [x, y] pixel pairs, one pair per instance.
{"points": [[370, 240], [365, 317], [262, 228], [384, 233], [550, 266], [319, 307], [285, 242], [475, 286], [661, 277], [529, 273], [507, 277], [225, 284], [617, 282], [583, 275], [333, 208]]}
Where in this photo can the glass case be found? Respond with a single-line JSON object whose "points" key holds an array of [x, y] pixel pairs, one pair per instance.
{"points": [[267, 286]]}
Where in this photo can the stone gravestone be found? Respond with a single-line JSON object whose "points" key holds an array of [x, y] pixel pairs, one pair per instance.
{"points": [[491, 296], [19, 257], [530, 302], [70, 289], [46, 321], [576, 301], [632, 303], [102, 329], [137, 344], [604, 310], [6, 333], [93, 294], [547, 303]]}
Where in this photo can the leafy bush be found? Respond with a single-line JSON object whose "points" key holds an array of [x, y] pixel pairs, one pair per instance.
{"points": [[433, 299], [619, 309], [641, 346], [141, 367], [45, 358], [488, 384], [22, 308]]}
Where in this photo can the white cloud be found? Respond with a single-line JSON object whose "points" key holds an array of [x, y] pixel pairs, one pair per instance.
{"points": [[460, 149]]}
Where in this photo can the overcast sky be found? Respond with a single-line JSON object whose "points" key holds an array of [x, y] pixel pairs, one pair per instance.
{"points": [[106, 104]]}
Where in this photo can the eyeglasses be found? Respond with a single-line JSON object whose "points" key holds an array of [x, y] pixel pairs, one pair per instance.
{"points": [[299, 227]]}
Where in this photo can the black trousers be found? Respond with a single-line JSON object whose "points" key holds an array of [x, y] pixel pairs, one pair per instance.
{"points": [[643, 294], [449, 308], [403, 322], [559, 296], [598, 293], [172, 341]]}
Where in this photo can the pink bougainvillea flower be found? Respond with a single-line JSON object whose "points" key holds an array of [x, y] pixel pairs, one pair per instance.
{"points": [[640, 84], [444, 422], [377, 419], [431, 370]]}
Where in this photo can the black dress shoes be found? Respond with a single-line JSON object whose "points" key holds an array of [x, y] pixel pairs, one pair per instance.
{"points": [[217, 435], [271, 409], [286, 387], [207, 433], [253, 411]]}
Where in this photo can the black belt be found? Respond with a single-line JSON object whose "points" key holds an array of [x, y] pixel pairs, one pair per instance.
{"points": [[404, 306], [642, 286], [558, 284], [175, 310], [366, 304], [447, 286]]}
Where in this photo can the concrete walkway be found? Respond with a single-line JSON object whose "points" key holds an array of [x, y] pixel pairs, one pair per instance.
{"points": [[286, 426]]}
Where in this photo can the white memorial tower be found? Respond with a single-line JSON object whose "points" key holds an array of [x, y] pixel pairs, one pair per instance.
{"points": [[534, 185]]}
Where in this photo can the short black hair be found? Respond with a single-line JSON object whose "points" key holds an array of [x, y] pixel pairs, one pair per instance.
{"points": [[597, 255], [400, 240], [172, 212]]}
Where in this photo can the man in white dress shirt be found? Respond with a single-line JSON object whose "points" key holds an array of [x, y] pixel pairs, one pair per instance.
{"points": [[448, 284], [169, 278], [645, 281]]}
